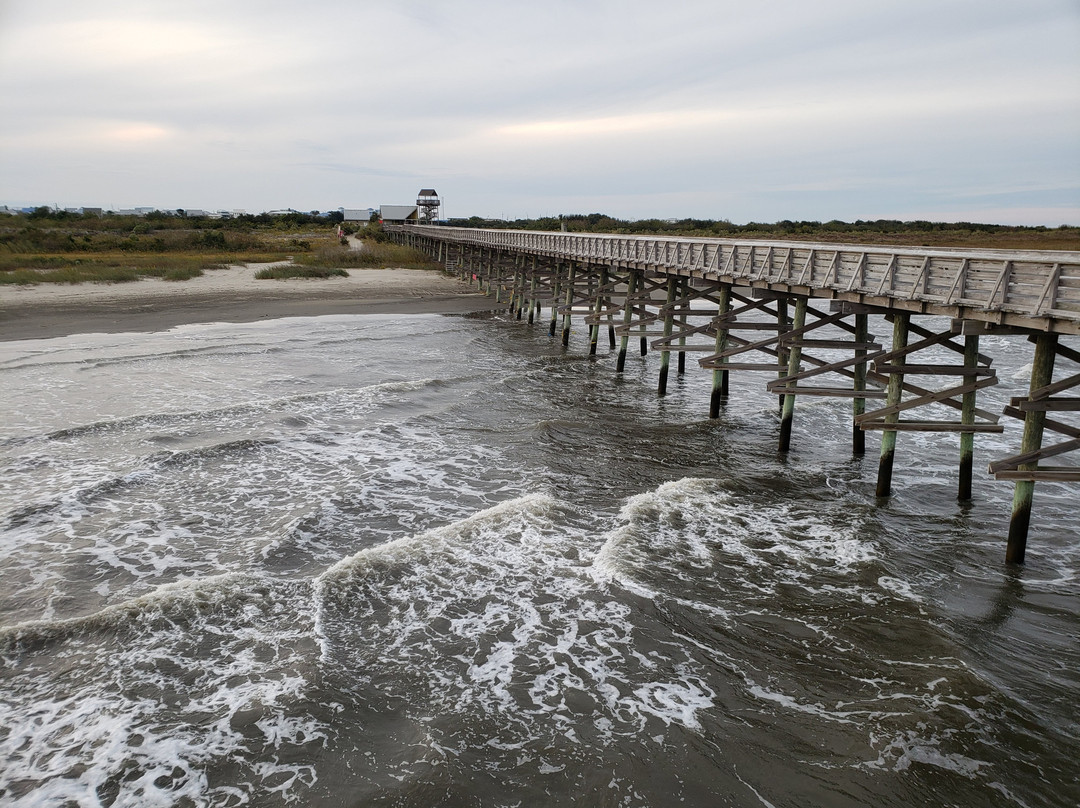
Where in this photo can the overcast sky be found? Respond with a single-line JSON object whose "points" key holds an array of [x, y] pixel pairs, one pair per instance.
{"points": [[758, 110]]}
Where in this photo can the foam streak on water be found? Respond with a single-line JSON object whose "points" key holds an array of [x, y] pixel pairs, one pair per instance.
{"points": [[439, 561]]}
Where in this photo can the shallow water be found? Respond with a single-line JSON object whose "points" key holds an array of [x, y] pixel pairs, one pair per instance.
{"points": [[443, 561]]}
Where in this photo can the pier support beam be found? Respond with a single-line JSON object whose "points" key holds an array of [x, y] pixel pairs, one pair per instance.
{"points": [[684, 294], [967, 416], [532, 291], [787, 411], [719, 375], [858, 405], [568, 304], [892, 398], [628, 316], [598, 307], [781, 352], [1042, 375], [556, 288], [518, 305], [669, 319]]}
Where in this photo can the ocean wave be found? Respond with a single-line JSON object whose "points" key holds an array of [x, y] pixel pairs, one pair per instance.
{"points": [[498, 610], [172, 601], [700, 524], [372, 394], [96, 362], [75, 501], [161, 689]]}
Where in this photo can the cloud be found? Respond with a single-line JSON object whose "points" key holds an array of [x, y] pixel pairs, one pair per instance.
{"points": [[774, 110], [82, 135]]}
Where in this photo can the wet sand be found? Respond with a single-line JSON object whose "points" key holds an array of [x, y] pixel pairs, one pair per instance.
{"points": [[225, 295]]}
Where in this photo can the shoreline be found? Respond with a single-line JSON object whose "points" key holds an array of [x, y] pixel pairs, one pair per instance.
{"points": [[229, 295]]}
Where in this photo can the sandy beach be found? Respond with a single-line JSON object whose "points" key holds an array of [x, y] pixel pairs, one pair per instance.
{"points": [[225, 295]]}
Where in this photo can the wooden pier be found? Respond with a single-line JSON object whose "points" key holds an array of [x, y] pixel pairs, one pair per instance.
{"points": [[757, 306]]}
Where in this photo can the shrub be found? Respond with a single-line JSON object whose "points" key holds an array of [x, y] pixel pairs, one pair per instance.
{"points": [[294, 271]]}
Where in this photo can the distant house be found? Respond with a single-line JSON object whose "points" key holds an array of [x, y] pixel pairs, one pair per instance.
{"points": [[398, 214], [362, 215]]}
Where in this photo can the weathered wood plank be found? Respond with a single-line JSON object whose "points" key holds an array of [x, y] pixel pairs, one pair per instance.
{"points": [[935, 370], [1034, 456], [1049, 405], [830, 392], [1063, 474], [910, 425], [717, 365], [838, 344]]}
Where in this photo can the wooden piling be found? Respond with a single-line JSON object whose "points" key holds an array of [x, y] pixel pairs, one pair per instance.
{"points": [[532, 291], [568, 303], [669, 320], [556, 287], [858, 405], [598, 306], [720, 376], [644, 309], [1042, 375], [610, 324], [893, 396], [787, 412], [517, 305], [781, 351], [628, 315], [684, 293], [967, 416]]}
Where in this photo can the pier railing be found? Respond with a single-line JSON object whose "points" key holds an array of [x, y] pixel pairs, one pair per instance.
{"points": [[1033, 289]]}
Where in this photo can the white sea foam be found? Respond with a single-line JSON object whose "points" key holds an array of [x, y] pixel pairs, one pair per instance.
{"points": [[504, 624], [229, 505], [696, 523], [915, 746], [899, 588], [162, 686]]}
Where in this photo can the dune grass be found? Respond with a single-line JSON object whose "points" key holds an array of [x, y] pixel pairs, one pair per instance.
{"points": [[125, 249], [19, 268], [284, 271], [372, 256]]}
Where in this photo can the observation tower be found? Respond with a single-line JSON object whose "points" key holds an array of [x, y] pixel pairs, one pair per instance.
{"points": [[427, 202]]}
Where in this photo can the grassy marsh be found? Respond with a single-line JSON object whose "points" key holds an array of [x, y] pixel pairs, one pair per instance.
{"points": [[373, 255], [121, 249]]}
